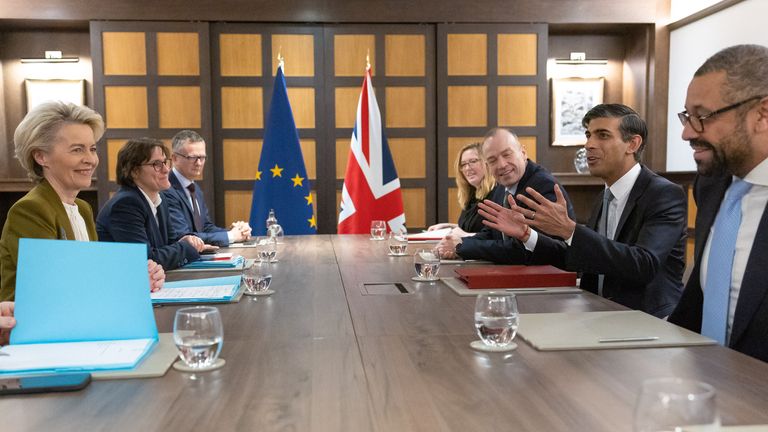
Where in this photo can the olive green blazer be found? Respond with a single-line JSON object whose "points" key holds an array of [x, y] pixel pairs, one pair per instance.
{"points": [[38, 214]]}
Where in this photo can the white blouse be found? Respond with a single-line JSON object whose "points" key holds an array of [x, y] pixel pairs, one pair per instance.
{"points": [[77, 222]]}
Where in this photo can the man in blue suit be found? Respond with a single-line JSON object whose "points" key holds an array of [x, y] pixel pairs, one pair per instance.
{"points": [[726, 123], [186, 204]]}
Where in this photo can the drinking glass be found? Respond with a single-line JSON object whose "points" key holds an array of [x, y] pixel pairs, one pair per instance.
{"points": [[398, 243], [676, 404], [378, 230], [266, 249], [427, 263], [199, 335], [496, 318], [276, 232], [256, 279]]}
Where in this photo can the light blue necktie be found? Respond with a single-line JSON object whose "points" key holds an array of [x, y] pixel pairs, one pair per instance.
{"points": [[717, 291], [602, 228]]}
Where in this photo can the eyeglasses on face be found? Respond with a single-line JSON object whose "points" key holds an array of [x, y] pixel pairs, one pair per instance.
{"points": [[466, 164], [192, 158], [158, 165], [697, 122]]}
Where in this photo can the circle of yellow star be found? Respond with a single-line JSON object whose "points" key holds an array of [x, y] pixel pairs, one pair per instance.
{"points": [[309, 199], [312, 222], [276, 171], [297, 180], [258, 175]]}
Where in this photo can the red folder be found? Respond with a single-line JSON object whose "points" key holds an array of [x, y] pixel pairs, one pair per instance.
{"points": [[515, 276]]}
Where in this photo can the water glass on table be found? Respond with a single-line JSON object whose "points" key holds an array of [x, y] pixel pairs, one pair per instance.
{"points": [[427, 264], [266, 249], [496, 321], [676, 404], [257, 279], [198, 335], [398, 243], [378, 230]]}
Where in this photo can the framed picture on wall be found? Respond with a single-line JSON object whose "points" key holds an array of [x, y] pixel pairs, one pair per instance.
{"points": [[571, 99], [40, 90]]}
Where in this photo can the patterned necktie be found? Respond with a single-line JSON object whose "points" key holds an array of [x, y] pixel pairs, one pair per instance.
{"points": [[602, 228], [195, 209], [717, 290]]}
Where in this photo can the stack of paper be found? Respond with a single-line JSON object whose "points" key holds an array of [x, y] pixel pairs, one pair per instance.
{"points": [[429, 236], [209, 290], [80, 306]]}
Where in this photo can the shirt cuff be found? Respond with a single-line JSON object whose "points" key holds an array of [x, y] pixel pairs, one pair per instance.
{"points": [[533, 238], [231, 237], [569, 240]]}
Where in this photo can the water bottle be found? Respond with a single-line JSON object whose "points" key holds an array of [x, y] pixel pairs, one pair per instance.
{"points": [[271, 219]]}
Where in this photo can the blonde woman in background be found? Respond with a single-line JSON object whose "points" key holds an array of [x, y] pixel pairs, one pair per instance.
{"points": [[474, 185]]}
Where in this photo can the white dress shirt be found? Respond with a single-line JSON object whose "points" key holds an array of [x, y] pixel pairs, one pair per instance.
{"points": [[77, 222], [153, 205], [752, 207]]}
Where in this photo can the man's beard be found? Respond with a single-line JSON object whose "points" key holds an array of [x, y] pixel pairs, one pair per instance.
{"points": [[714, 166], [729, 156]]}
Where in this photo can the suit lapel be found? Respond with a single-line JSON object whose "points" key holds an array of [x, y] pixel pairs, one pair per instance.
{"points": [[634, 194], [753, 286]]}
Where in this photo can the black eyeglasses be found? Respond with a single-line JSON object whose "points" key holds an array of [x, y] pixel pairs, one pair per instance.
{"points": [[158, 165], [192, 158], [697, 122]]}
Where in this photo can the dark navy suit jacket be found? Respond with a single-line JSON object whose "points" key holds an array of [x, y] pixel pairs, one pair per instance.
{"points": [[644, 264], [749, 333], [489, 244], [182, 221], [127, 218]]}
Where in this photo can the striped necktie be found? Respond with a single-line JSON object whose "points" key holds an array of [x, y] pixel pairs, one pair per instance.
{"points": [[717, 290]]}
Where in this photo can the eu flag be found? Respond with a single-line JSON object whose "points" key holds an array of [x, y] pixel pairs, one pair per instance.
{"points": [[281, 180]]}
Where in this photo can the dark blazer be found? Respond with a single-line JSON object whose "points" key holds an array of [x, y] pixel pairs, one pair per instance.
{"points": [[469, 219], [38, 214], [644, 264], [749, 333], [182, 221], [127, 218], [489, 244]]}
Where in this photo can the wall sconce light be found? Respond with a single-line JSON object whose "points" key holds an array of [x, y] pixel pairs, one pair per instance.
{"points": [[580, 58], [52, 57]]}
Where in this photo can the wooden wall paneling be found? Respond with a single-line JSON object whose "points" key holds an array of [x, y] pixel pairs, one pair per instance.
{"points": [[244, 93], [403, 78], [504, 84], [150, 79]]}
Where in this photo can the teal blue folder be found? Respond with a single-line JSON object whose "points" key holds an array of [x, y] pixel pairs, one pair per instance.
{"points": [[233, 281], [71, 291], [233, 263]]}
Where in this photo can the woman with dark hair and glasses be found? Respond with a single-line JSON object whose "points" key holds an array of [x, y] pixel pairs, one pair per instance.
{"points": [[137, 213]]}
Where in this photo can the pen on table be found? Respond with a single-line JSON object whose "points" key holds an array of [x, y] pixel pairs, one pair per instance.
{"points": [[629, 339]]}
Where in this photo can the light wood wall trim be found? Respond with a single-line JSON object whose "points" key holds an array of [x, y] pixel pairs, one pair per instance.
{"points": [[151, 81]]}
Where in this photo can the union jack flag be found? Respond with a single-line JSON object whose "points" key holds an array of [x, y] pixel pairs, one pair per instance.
{"points": [[371, 186]]}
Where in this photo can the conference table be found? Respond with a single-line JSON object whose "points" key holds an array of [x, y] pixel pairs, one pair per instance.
{"points": [[324, 354]]}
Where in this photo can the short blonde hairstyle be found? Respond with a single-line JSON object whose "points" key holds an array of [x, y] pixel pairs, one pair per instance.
{"points": [[466, 190], [38, 130]]}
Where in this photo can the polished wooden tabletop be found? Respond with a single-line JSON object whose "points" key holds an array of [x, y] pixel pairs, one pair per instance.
{"points": [[323, 354]]}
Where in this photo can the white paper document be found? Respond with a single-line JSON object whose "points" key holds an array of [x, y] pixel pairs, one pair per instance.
{"points": [[67, 356], [429, 236], [194, 293]]}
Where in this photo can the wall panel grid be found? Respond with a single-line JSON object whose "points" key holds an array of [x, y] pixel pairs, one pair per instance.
{"points": [[244, 63], [403, 73], [150, 79], [488, 75]]}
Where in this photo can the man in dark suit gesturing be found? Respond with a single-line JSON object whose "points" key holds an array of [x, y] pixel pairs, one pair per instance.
{"points": [[726, 123], [515, 173], [186, 204], [632, 251]]}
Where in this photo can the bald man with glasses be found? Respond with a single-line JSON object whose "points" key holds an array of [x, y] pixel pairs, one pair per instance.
{"points": [[726, 124], [186, 203]]}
